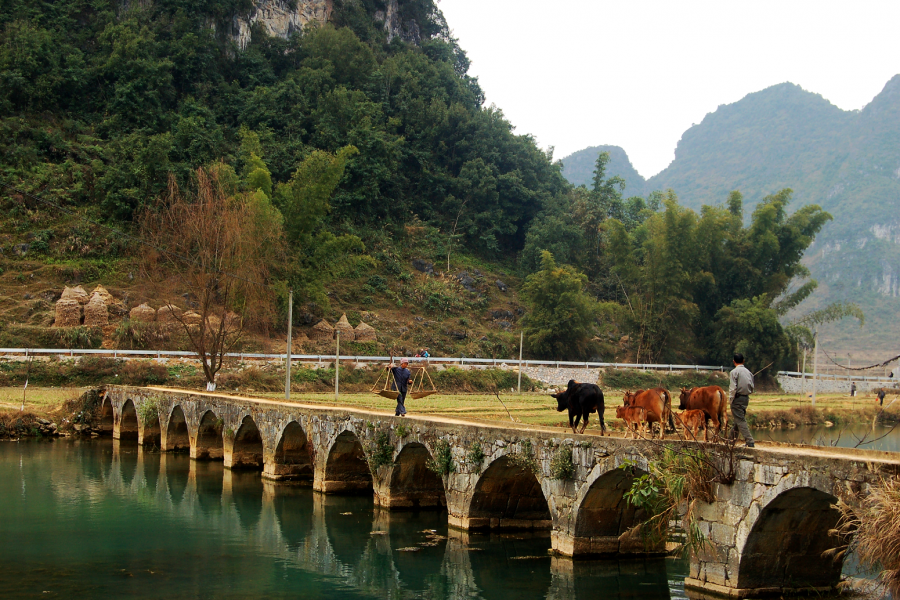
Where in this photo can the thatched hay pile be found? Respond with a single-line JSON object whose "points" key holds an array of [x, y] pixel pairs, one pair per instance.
{"points": [[96, 313], [191, 318], [168, 314], [346, 329], [76, 293], [142, 314], [113, 304], [321, 331], [68, 312], [365, 333]]}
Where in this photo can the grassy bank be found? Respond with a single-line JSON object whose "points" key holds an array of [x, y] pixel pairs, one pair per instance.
{"points": [[476, 399]]}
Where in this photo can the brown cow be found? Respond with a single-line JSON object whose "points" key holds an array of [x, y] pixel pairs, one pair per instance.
{"points": [[655, 406], [667, 397], [634, 417], [711, 400], [693, 421]]}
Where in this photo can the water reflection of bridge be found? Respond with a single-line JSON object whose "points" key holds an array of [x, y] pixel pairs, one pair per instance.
{"points": [[767, 530], [314, 532]]}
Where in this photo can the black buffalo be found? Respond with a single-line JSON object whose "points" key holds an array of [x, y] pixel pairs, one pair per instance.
{"points": [[581, 399]]}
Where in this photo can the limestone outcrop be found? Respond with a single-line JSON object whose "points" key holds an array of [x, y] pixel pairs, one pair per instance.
{"points": [[279, 17]]}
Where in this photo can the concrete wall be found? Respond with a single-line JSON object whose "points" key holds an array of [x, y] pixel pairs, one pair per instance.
{"points": [[795, 385]]}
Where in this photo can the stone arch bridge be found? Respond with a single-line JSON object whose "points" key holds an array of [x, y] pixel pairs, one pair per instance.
{"points": [[767, 530]]}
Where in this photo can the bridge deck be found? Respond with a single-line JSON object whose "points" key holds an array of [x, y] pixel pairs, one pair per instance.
{"points": [[853, 454]]}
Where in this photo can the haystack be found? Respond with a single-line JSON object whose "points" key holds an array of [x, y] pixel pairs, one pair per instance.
{"points": [[190, 318], [68, 313], [321, 331], [113, 304], [168, 314], [365, 333], [143, 313], [76, 293], [96, 313], [346, 329]]}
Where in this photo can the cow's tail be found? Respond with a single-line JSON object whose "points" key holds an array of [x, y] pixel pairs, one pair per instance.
{"points": [[668, 403], [723, 412]]}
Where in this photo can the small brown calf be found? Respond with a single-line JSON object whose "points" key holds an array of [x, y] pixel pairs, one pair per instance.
{"points": [[634, 417], [693, 421]]}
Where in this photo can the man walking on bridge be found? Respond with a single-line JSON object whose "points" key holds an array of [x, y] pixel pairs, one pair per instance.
{"points": [[402, 376], [739, 390]]}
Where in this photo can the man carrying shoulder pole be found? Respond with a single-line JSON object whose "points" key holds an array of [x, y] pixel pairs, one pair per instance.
{"points": [[401, 376], [739, 390]]}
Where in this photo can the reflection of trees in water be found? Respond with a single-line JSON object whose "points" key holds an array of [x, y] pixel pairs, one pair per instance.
{"points": [[247, 495], [307, 531], [208, 483]]}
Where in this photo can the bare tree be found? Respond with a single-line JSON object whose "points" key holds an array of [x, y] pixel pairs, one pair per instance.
{"points": [[217, 249]]}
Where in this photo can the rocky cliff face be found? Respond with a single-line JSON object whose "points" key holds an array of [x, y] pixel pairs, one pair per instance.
{"points": [[279, 18], [408, 32]]}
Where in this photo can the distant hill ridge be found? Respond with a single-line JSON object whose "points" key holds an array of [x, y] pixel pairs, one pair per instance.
{"points": [[848, 162]]}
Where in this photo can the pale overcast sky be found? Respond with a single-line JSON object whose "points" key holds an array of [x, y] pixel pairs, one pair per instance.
{"points": [[637, 74]]}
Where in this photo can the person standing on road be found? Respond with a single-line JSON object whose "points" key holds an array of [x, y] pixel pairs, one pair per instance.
{"points": [[739, 390], [402, 376]]}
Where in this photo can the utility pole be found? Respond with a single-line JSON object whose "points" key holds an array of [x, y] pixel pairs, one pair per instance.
{"points": [[803, 376], [287, 366], [337, 363], [521, 339], [815, 366]]}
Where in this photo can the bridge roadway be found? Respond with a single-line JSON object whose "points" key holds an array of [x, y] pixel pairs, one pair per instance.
{"points": [[766, 530]]}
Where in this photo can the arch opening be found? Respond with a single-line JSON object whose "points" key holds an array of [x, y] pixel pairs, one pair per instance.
{"points": [[603, 525], [292, 457], [107, 418], [346, 470], [128, 423], [247, 452], [177, 437], [151, 431], [412, 485], [508, 496], [786, 545], [210, 445]]}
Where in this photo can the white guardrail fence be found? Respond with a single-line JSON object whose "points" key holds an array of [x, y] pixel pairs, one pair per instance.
{"points": [[444, 360], [821, 376]]}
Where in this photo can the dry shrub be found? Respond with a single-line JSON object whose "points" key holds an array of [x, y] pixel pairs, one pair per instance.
{"points": [[143, 372], [15, 423], [253, 378], [83, 409], [874, 527]]}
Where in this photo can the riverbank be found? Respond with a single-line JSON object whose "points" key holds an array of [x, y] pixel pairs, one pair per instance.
{"points": [[66, 407]]}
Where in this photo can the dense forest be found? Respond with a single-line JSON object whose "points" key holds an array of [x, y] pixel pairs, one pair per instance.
{"points": [[344, 139]]}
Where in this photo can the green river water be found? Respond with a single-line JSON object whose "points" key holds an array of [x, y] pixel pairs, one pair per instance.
{"points": [[100, 519], [90, 519]]}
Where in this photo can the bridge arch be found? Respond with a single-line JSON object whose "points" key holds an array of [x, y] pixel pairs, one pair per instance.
{"points": [[508, 496], [149, 429], [177, 436], [604, 515], [247, 450], [785, 545], [346, 468], [128, 421], [411, 484], [209, 444], [292, 458], [107, 417]]}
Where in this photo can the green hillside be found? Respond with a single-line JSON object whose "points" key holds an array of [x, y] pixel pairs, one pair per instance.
{"points": [[342, 151], [846, 162]]}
